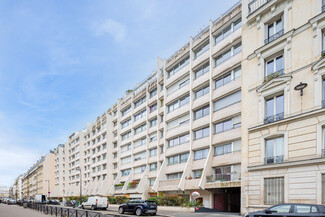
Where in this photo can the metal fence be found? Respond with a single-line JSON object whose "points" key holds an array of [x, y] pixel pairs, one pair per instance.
{"points": [[67, 211]]}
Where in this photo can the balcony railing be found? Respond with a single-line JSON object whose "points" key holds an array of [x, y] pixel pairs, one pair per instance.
{"points": [[118, 188], [272, 160], [274, 36], [224, 177], [273, 75], [274, 118], [256, 4]]}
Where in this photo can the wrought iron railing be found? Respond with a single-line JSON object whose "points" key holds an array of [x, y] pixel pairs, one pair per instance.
{"points": [[256, 4], [274, 36], [224, 177], [272, 160], [273, 75], [274, 118]]}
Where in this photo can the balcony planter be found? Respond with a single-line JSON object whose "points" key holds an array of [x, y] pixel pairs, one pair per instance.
{"points": [[273, 75], [133, 184], [120, 184]]}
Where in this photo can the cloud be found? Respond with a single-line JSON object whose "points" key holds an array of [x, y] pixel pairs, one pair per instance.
{"points": [[116, 29]]}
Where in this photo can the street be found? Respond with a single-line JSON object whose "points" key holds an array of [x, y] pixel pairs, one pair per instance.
{"points": [[18, 211]]}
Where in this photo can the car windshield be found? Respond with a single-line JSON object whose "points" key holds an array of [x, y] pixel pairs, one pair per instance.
{"points": [[285, 208]]}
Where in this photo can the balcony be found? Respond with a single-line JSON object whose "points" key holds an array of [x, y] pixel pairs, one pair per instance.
{"points": [[274, 118], [323, 53], [272, 160], [256, 4], [133, 185], [118, 187], [224, 177], [323, 153], [274, 36], [273, 75]]}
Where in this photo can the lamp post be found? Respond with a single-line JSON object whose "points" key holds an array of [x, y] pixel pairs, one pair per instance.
{"points": [[48, 188], [79, 169]]}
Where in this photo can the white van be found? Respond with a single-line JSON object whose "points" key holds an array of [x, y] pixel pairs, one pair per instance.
{"points": [[41, 198], [95, 203]]}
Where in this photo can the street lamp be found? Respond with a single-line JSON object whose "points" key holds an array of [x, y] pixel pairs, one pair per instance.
{"points": [[79, 169], [48, 188]]}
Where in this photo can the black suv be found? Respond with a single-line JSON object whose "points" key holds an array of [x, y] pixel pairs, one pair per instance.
{"points": [[139, 207], [290, 209]]}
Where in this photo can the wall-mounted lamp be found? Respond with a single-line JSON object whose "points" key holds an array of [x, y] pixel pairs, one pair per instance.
{"points": [[300, 87]]}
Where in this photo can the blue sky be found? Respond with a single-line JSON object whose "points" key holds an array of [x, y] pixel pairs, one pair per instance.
{"points": [[62, 63]]}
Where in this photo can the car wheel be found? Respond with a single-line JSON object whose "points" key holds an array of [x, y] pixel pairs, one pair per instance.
{"points": [[82, 207], [121, 210], [138, 212], [92, 208], [153, 213]]}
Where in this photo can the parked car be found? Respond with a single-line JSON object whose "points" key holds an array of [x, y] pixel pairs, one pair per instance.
{"points": [[291, 209], [53, 202], [71, 203], [11, 201], [139, 207], [95, 203]]}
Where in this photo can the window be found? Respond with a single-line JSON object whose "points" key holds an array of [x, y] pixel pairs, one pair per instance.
{"points": [[153, 108], [140, 156], [125, 111], [227, 124], [202, 70], [274, 30], [179, 140], [178, 103], [126, 172], [153, 122], [153, 93], [140, 129], [274, 150], [274, 193], [197, 173], [201, 154], [153, 152], [182, 158], [274, 67], [228, 77], [179, 66], [201, 49], [223, 149], [178, 122], [201, 92], [274, 109], [153, 137], [323, 188], [140, 115], [323, 96], [125, 148], [139, 102], [126, 135], [153, 167], [184, 83], [140, 142], [126, 123], [202, 112], [222, 173], [227, 54], [174, 176], [205, 132], [140, 169], [227, 31], [104, 166], [152, 181], [304, 208], [227, 101]]}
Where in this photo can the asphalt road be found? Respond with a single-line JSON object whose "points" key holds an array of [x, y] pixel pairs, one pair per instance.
{"points": [[18, 211]]}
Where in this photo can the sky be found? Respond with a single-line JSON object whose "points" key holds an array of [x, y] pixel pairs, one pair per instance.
{"points": [[63, 63]]}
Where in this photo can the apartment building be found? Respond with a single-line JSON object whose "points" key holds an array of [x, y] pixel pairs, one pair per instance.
{"points": [[4, 191], [39, 179], [283, 84], [17, 188], [59, 171]]}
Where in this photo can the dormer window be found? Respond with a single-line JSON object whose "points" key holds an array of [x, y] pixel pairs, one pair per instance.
{"points": [[274, 30]]}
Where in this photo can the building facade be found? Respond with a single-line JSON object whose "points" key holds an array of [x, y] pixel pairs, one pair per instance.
{"points": [[177, 132], [283, 84], [39, 179]]}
